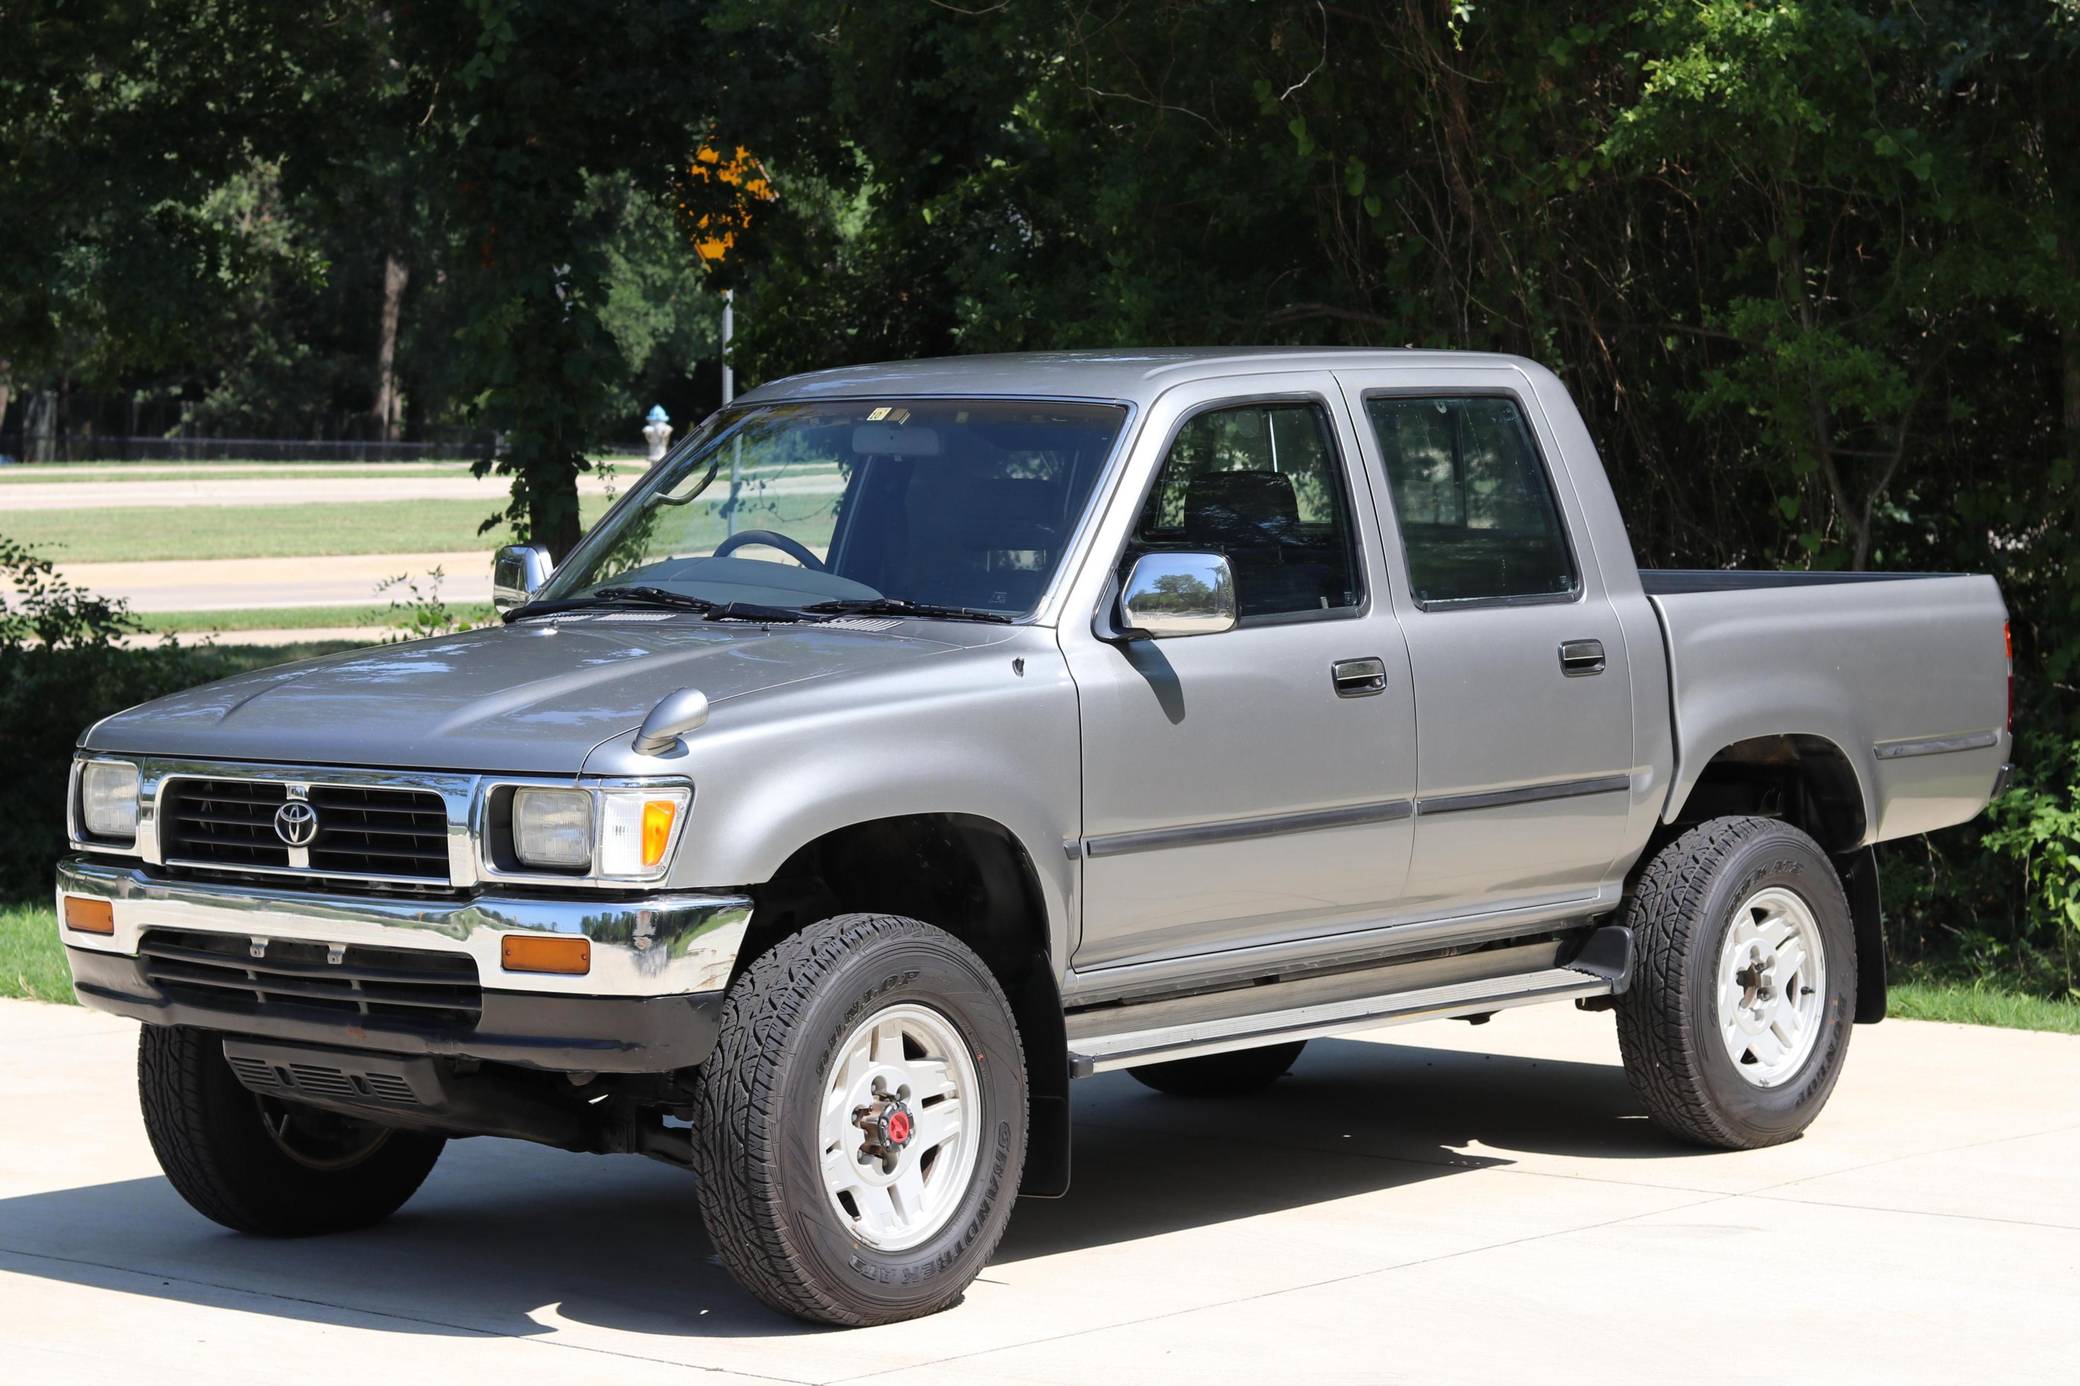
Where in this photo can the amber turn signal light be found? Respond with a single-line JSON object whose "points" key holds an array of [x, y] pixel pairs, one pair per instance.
{"points": [[657, 829], [545, 953], [84, 916]]}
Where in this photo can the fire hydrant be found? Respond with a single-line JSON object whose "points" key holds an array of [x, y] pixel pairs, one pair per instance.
{"points": [[657, 432]]}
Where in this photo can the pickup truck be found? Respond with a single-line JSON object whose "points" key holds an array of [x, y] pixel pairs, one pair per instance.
{"points": [[915, 739]]}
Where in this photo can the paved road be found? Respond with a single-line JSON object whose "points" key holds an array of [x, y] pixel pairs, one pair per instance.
{"points": [[1434, 1204], [236, 584], [204, 489]]}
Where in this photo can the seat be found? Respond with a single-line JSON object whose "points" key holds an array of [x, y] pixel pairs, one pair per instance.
{"points": [[973, 555], [1240, 509], [1253, 517]]}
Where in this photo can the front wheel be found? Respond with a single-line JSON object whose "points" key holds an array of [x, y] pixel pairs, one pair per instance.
{"points": [[860, 1127], [260, 1165], [1737, 1021]]}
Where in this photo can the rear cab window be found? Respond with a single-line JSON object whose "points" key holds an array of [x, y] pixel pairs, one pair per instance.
{"points": [[1478, 518]]}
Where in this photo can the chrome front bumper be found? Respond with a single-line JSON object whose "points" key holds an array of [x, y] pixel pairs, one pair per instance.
{"points": [[658, 945]]}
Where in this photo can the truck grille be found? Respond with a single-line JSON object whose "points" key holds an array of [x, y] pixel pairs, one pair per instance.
{"points": [[295, 978], [398, 834], [222, 822], [380, 832]]}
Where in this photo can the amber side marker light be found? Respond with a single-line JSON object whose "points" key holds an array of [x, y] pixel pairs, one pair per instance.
{"points": [[84, 916], [545, 953]]}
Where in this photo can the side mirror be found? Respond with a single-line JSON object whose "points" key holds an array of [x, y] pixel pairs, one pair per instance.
{"points": [[1173, 594], [517, 573]]}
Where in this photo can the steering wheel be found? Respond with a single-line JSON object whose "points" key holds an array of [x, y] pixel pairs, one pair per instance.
{"points": [[793, 548]]}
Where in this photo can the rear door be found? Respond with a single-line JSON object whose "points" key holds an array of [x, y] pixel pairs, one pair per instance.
{"points": [[1523, 697]]}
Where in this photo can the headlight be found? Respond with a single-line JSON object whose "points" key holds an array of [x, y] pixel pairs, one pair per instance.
{"points": [[553, 828], [108, 799], [625, 832]]}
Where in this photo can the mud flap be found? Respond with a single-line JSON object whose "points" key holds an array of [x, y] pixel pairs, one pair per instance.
{"points": [[1859, 871]]}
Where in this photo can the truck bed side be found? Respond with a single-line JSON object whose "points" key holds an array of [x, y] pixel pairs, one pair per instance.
{"points": [[1907, 675]]}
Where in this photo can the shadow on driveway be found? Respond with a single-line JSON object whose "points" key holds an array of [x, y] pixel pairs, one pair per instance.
{"points": [[503, 1229]]}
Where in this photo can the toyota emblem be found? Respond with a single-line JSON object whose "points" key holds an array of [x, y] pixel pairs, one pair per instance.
{"points": [[296, 823]]}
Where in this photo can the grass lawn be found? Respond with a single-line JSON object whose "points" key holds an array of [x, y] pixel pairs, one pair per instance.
{"points": [[263, 531], [49, 473], [295, 618], [32, 961], [1964, 1004], [29, 476]]}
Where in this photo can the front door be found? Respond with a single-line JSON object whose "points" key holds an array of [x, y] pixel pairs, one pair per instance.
{"points": [[1522, 685], [1235, 790]]}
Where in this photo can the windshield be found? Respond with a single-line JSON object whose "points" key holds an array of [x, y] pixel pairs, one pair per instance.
{"points": [[960, 504]]}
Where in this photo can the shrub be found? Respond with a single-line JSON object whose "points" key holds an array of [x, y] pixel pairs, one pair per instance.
{"points": [[62, 668]]}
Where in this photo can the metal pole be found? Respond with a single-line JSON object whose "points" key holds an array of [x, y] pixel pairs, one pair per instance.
{"points": [[729, 392], [729, 330]]}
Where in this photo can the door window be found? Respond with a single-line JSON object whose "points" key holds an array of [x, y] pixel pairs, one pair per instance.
{"points": [[1263, 485], [1476, 509]]}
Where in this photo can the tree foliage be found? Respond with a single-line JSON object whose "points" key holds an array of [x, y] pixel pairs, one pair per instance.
{"points": [[1812, 267]]}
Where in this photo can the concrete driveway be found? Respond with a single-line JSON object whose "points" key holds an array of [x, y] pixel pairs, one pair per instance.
{"points": [[1434, 1204]]}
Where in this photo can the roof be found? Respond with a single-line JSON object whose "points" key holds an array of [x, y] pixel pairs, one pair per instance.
{"points": [[1122, 374]]}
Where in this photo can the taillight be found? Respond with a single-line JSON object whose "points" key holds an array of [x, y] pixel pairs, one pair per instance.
{"points": [[2008, 644]]}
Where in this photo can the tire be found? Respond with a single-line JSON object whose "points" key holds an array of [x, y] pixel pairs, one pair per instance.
{"points": [[1236, 1073], [322, 1173], [788, 1056], [1681, 1021]]}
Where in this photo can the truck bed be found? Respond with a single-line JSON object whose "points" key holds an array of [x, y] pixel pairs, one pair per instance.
{"points": [[1906, 673], [1659, 582]]}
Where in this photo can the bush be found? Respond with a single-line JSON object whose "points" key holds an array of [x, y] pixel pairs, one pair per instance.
{"points": [[62, 669]]}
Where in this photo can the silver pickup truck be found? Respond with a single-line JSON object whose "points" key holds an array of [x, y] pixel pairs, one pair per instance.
{"points": [[917, 738]]}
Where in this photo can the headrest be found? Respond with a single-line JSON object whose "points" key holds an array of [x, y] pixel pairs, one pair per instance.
{"points": [[1240, 507]]}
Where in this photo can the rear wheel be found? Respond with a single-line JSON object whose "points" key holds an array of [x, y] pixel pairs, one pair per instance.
{"points": [[860, 1127], [260, 1165], [1233, 1074], [1737, 1022]]}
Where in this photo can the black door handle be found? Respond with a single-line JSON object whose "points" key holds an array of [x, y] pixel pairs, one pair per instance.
{"points": [[1581, 658], [1358, 678]]}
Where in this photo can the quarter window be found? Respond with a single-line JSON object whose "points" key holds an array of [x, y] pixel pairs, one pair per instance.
{"points": [[1476, 509], [1263, 485]]}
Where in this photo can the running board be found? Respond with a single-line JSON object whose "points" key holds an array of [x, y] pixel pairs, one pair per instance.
{"points": [[1100, 1053]]}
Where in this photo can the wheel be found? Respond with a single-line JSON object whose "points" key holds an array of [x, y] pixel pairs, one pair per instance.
{"points": [[259, 1165], [1232, 1074], [1737, 1021], [860, 1128]]}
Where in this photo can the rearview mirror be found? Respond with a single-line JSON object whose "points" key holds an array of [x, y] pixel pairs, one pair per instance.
{"points": [[517, 573], [1173, 594]]}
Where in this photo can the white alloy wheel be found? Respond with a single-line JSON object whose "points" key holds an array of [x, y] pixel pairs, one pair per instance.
{"points": [[896, 1130], [1772, 986]]}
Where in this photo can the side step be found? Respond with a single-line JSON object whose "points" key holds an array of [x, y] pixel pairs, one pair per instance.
{"points": [[1183, 1038]]}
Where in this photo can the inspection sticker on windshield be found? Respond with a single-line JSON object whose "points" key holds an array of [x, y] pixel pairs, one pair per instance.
{"points": [[890, 413]]}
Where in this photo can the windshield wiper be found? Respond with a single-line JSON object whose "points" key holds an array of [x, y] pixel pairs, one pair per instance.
{"points": [[755, 611], [614, 596], [896, 606]]}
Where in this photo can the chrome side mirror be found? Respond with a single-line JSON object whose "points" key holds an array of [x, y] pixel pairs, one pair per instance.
{"points": [[1172, 594], [517, 573]]}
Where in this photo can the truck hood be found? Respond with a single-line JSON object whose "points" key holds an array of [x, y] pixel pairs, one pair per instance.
{"points": [[532, 698]]}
